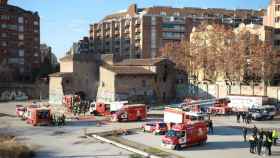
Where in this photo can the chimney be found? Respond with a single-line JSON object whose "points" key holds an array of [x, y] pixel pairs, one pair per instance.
{"points": [[132, 9], [3, 2]]}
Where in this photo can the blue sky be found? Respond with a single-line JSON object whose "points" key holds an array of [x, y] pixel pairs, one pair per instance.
{"points": [[66, 21]]}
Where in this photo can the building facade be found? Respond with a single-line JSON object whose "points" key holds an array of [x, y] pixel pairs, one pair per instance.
{"points": [[78, 74], [84, 45], [47, 56], [141, 32], [139, 80], [19, 40]]}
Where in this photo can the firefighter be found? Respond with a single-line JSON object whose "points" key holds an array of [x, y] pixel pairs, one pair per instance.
{"points": [[63, 119], [243, 116], [275, 136], [244, 131]]}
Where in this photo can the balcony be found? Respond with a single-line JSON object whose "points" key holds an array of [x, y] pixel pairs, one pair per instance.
{"points": [[137, 37], [126, 31]]}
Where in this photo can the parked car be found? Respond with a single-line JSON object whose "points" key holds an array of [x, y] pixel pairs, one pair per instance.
{"points": [[266, 112], [155, 128]]}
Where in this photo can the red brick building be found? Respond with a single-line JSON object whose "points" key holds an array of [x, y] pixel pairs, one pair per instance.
{"points": [[141, 32], [19, 41]]}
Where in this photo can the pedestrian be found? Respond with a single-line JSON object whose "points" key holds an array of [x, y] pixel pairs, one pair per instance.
{"points": [[63, 119], [210, 127], [259, 145], [251, 141], [238, 117], [268, 142], [255, 143], [244, 131], [243, 116], [255, 130]]}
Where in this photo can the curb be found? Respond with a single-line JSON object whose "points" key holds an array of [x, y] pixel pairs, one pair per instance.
{"points": [[140, 152]]}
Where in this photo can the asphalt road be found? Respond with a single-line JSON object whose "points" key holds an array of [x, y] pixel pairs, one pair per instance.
{"points": [[67, 141]]}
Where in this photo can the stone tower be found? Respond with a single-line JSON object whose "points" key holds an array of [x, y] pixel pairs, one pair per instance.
{"points": [[3, 2]]}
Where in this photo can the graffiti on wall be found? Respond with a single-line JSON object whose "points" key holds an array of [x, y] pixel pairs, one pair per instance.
{"points": [[16, 95]]}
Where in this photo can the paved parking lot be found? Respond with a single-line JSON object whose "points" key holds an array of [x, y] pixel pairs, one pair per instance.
{"points": [[225, 142], [66, 141]]}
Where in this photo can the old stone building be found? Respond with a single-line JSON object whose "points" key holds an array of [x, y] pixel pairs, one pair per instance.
{"points": [[149, 80], [78, 74]]}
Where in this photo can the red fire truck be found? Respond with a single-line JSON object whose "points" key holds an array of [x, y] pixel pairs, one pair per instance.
{"points": [[134, 112], [70, 100], [38, 116], [220, 107], [106, 108], [178, 115], [185, 135], [212, 106]]}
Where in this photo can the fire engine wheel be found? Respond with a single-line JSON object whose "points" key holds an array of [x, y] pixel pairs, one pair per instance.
{"points": [[178, 147]]}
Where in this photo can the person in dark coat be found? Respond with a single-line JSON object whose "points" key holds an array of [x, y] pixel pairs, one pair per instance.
{"points": [[238, 117], [255, 130], [244, 131], [259, 144], [210, 126], [243, 115]]}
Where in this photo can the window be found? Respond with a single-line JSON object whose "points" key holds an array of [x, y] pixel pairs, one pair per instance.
{"points": [[277, 43], [20, 44], [3, 26], [36, 54], [277, 8], [21, 37], [4, 43], [4, 35], [163, 13], [36, 23], [20, 28], [277, 19], [5, 17], [20, 20], [21, 53], [103, 84], [144, 84], [277, 31]]}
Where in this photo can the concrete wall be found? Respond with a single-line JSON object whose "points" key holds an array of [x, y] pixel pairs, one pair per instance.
{"points": [[219, 91], [106, 89], [85, 78], [10, 91], [66, 66], [56, 90]]}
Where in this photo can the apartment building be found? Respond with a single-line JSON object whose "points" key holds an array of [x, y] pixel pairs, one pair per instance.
{"points": [[141, 32], [84, 45], [272, 23], [19, 40]]}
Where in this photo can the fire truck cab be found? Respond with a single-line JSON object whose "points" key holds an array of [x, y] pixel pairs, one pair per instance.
{"points": [[184, 135], [155, 128], [38, 116]]}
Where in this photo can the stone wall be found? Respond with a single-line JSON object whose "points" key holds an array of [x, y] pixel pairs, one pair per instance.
{"points": [[19, 91]]}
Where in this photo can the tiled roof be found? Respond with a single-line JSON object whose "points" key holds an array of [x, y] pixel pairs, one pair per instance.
{"points": [[80, 57], [131, 70], [140, 62]]}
